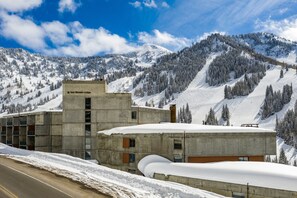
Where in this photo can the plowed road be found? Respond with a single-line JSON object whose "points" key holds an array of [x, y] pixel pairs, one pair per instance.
{"points": [[21, 180]]}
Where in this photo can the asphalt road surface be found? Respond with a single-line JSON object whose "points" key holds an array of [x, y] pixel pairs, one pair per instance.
{"points": [[18, 180]]}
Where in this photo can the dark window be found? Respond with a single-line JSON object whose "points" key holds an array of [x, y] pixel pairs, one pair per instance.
{"points": [[131, 157], [88, 129], [131, 142], [88, 116], [178, 158], [177, 144], [88, 103], [88, 155], [134, 115], [133, 171], [243, 158]]}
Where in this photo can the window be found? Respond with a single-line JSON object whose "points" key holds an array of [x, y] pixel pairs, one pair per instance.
{"points": [[178, 158], [177, 144], [88, 129], [238, 195], [88, 116], [88, 143], [243, 158], [133, 171], [131, 157], [128, 158], [88, 103], [131, 142], [128, 142], [134, 115], [88, 155]]}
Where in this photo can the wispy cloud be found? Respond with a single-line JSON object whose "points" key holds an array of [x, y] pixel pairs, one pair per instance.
{"points": [[150, 3], [68, 5], [286, 28], [194, 17], [136, 4], [165, 4], [19, 5], [164, 39]]}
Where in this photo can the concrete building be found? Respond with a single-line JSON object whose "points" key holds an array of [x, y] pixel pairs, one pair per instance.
{"points": [[122, 148], [41, 131], [87, 108]]}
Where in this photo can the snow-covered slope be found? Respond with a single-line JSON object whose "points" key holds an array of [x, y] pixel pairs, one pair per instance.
{"points": [[270, 45], [109, 181]]}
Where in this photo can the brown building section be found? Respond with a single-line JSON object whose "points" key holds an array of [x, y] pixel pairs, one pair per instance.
{"points": [[224, 158]]}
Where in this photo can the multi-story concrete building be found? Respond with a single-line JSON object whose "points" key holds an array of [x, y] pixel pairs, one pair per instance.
{"points": [[41, 131], [87, 108], [122, 148]]}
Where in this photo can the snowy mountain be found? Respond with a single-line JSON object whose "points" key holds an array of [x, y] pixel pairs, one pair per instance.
{"points": [[31, 81], [196, 75], [270, 45]]}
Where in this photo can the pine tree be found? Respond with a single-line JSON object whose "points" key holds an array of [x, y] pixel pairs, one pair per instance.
{"points": [[282, 157], [281, 75], [211, 119]]}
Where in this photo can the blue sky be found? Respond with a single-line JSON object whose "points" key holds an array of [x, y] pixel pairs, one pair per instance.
{"points": [[92, 27]]}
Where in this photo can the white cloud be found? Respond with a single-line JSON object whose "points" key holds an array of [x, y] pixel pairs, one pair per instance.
{"points": [[94, 41], [57, 32], [150, 3], [164, 39], [165, 4], [286, 28], [68, 5], [23, 31], [19, 5], [56, 38], [136, 4]]}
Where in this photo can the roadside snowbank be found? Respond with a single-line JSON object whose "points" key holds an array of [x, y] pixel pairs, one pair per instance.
{"points": [[109, 181]]}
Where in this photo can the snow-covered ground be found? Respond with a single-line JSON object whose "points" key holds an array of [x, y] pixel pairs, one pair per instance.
{"points": [[290, 152], [262, 174], [112, 182]]}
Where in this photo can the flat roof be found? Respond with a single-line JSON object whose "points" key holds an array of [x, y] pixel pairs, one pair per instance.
{"points": [[182, 128], [29, 113], [84, 81]]}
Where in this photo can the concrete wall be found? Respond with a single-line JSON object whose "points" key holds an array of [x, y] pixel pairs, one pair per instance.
{"points": [[227, 189], [111, 150]]}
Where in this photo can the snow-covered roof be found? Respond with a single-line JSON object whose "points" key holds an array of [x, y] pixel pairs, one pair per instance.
{"points": [[182, 128], [31, 113], [263, 174]]}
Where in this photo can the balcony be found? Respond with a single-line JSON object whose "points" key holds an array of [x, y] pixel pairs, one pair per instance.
{"points": [[23, 122], [9, 123]]}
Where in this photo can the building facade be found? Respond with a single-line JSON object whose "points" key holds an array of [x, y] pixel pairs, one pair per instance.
{"points": [[122, 148], [87, 108], [40, 131]]}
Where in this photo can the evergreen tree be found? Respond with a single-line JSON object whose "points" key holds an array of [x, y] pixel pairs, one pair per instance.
{"points": [[282, 157], [281, 75], [184, 115], [211, 119]]}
